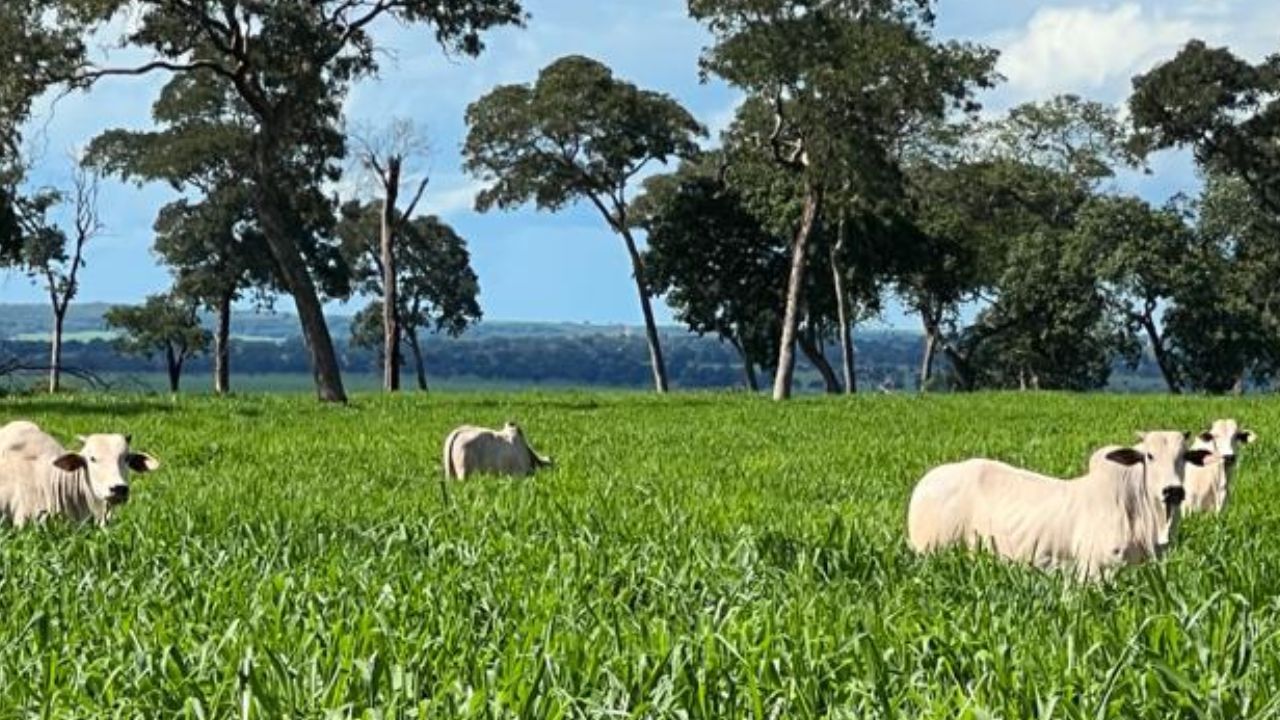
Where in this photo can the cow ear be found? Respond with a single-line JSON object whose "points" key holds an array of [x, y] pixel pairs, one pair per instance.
{"points": [[128, 439], [70, 462], [1197, 457], [1125, 456], [142, 462], [1246, 436]]}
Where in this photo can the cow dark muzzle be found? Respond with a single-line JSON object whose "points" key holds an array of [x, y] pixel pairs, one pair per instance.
{"points": [[119, 495], [1174, 495], [1229, 460]]}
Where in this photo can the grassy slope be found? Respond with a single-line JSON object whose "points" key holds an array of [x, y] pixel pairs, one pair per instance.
{"points": [[719, 555]]}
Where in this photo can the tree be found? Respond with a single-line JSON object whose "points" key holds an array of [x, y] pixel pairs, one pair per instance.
{"points": [[290, 65], [1143, 254], [578, 133], [163, 324], [213, 243], [384, 155], [217, 253], [1222, 107], [1222, 323], [438, 287], [55, 256], [955, 258], [718, 267], [1050, 327], [986, 200], [832, 87], [34, 52]]}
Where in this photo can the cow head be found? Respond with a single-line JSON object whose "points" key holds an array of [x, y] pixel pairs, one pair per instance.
{"points": [[1164, 456], [515, 433], [1224, 439], [107, 461]]}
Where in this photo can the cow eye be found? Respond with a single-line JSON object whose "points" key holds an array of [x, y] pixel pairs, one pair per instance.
{"points": [[93, 459], [1206, 436], [1150, 457]]}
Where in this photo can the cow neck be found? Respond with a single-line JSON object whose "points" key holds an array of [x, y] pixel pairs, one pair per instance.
{"points": [[71, 495]]}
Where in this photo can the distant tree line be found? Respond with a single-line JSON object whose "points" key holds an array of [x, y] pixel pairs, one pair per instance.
{"points": [[589, 359], [857, 168]]}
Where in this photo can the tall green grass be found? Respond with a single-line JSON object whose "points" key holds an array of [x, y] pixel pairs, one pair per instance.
{"points": [[700, 556]]}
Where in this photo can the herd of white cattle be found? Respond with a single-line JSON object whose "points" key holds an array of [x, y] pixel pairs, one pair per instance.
{"points": [[1124, 510]]}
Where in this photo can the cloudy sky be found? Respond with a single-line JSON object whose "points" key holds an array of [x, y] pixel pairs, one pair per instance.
{"points": [[568, 266]]}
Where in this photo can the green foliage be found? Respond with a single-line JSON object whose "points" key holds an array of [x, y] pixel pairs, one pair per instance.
{"points": [[438, 289], [576, 133], [841, 82], [267, 566], [1227, 331], [1222, 107], [164, 324], [720, 270]]}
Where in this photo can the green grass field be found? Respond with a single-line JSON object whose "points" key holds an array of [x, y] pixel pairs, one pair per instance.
{"points": [[701, 556]]}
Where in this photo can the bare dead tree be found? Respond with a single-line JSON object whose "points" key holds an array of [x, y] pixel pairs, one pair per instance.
{"points": [[54, 256], [383, 155]]}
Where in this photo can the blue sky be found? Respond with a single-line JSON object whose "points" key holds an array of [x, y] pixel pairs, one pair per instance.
{"points": [[568, 266]]}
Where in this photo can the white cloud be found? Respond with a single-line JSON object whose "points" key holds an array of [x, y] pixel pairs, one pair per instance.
{"points": [[1090, 49], [1095, 47]]}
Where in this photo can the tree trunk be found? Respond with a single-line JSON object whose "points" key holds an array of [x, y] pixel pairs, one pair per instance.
{"points": [[418, 365], [795, 286], [1237, 388], [1163, 361], [646, 307], [842, 313], [174, 366], [390, 293], [292, 268], [222, 347], [55, 351], [813, 350], [930, 350], [748, 367]]}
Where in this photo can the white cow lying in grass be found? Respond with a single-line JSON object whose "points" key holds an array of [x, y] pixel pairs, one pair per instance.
{"points": [[1209, 486], [1125, 510], [471, 450], [39, 478]]}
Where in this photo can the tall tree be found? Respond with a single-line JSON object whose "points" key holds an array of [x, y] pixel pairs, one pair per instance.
{"points": [[165, 325], [578, 133], [291, 65], [54, 256], [1225, 109], [35, 52], [1143, 256], [719, 268], [217, 254], [438, 287], [383, 155], [839, 82], [214, 243], [1223, 323], [981, 196]]}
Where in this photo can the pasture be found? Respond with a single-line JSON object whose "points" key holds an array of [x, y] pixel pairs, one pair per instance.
{"points": [[701, 556]]}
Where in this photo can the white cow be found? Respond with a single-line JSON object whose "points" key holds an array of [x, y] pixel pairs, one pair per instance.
{"points": [[471, 450], [1123, 511], [1208, 487], [39, 478]]}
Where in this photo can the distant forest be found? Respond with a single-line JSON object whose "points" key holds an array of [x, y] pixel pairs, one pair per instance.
{"points": [[491, 352]]}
